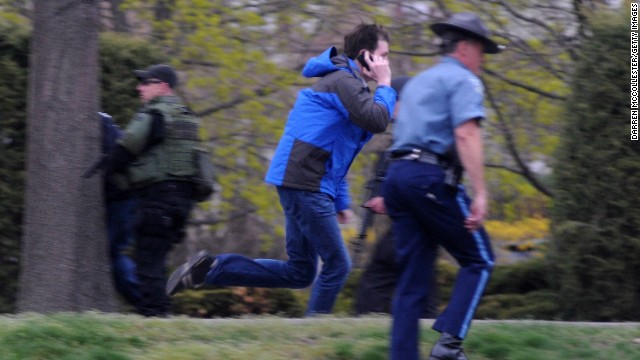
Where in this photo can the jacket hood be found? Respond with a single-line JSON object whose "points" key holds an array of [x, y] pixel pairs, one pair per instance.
{"points": [[325, 63]]}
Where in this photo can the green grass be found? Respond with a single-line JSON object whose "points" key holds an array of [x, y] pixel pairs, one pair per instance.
{"points": [[95, 336]]}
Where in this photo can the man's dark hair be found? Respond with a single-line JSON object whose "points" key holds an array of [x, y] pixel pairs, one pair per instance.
{"points": [[450, 39], [365, 36]]}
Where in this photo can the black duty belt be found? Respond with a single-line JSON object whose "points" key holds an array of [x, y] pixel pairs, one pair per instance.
{"points": [[452, 171], [421, 156], [167, 187]]}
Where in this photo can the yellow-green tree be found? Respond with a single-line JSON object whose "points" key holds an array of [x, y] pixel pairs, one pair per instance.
{"points": [[241, 62]]}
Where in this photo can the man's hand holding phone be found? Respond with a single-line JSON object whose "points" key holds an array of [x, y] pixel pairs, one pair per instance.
{"points": [[362, 61], [375, 68]]}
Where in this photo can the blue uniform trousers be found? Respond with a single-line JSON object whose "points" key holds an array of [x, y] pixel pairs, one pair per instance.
{"points": [[426, 213], [120, 226]]}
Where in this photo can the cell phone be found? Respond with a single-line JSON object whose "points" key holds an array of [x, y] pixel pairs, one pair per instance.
{"points": [[363, 62]]}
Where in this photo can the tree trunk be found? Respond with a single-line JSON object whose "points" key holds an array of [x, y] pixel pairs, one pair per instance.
{"points": [[64, 264]]}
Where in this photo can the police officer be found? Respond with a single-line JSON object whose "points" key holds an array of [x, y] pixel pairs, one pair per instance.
{"points": [[439, 123], [157, 153]]}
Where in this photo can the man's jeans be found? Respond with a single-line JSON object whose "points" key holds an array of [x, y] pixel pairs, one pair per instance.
{"points": [[312, 232], [120, 223]]}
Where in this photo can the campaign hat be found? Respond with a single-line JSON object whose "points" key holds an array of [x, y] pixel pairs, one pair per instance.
{"points": [[468, 24]]}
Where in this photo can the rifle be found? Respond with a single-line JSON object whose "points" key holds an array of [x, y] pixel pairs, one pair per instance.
{"points": [[373, 188], [97, 165], [359, 243]]}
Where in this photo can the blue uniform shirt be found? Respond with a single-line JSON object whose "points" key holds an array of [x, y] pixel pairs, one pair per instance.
{"points": [[434, 103]]}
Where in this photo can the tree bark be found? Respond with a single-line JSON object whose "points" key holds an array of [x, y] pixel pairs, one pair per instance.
{"points": [[64, 263]]}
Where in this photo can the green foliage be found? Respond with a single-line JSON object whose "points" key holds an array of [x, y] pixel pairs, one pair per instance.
{"points": [[523, 290], [513, 199], [539, 305], [445, 277], [518, 240], [13, 88], [596, 224], [12, 12], [526, 229], [520, 291], [237, 301], [520, 278], [345, 303]]}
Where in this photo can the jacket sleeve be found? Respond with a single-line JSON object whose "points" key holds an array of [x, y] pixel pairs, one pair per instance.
{"points": [[371, 112], [343, 200], [137, 133]]}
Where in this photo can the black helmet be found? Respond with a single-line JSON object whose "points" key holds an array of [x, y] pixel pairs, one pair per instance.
{"points": [[467, 23]]}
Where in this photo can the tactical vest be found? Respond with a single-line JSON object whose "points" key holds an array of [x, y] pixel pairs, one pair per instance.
{"points": [[169, 155]]}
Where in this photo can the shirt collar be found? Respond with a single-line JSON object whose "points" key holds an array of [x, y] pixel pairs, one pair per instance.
{"points": [[447, 59]]}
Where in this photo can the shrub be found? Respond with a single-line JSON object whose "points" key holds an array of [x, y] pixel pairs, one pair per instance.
{"points": [[520, 291], [539, 305], [237, 301], [520, 278], [596, 222]]}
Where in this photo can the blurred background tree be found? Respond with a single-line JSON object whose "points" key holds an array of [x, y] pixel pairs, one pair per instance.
{"points": [[596, 222]]}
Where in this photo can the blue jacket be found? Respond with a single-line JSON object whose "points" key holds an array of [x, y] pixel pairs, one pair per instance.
{"points": [[328, 126]]}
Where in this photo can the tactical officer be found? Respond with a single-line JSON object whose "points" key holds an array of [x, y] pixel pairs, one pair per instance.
{"points": [[439, 123], [157, 153]]}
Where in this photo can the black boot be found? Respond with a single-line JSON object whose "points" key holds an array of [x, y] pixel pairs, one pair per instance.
{"points": [[449, 347]]}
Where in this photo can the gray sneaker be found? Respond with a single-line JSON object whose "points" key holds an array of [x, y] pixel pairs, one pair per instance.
{"points": [[190, 275], [448, 347]]}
